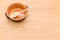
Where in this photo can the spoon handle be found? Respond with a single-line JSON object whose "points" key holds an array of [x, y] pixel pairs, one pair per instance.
{"points": [[27, 9]]}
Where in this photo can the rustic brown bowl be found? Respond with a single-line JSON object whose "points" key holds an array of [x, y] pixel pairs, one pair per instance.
{"points": [[16, 7]]}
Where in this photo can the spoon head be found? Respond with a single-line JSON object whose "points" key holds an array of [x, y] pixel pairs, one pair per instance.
{"points": [[14, 14]]}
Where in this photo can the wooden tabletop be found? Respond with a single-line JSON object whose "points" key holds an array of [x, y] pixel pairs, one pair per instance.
{"points": [[41, 23]]}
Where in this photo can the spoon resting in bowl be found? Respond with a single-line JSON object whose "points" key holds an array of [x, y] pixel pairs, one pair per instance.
{"points": [[20, 14]]}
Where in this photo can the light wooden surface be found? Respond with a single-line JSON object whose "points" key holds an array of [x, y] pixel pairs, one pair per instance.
{"points": [[42, 22]]}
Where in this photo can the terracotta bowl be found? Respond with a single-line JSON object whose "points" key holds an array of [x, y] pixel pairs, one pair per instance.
{"points": [[16, 7]]}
